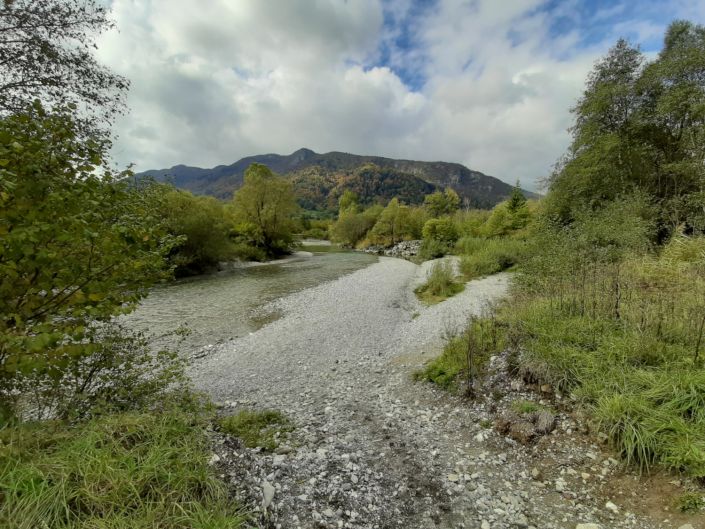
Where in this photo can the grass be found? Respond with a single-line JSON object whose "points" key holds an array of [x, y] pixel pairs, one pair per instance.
{"points": [[624, 339], [264, 429], [455, 366], [440, 284], [526, 407], [136, 471], [483, 257]]}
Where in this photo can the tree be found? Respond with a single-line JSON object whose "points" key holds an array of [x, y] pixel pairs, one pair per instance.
{"points": [[201, 226], [640, 128], [517, 200], [348, 201], [264, 207], [442, 203], [395, 223], [75, 249], [46, 54]]}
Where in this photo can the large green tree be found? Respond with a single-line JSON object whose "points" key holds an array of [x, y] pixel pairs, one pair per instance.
{"points": [[264, 207], [442, 203], [640, 128], [201, 225], [75, 248]]}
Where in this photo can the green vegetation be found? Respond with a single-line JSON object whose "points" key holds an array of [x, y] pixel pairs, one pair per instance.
{"points": [[75, 249], [396, 222], [609, 297], [690, 502], [481, 257], [202, 226], [440, 204], [464, 358], [639, 129], [133, 470], [439, 235], [86, 439], [264, 429], [526, 407], [440, 284], [264, 209]]}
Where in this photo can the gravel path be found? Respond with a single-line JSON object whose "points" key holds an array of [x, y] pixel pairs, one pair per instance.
{"points": [[372, 449]]}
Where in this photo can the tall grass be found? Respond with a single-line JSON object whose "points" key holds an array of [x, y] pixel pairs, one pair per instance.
{"points": [[440, 283], [625, 336], [136, 471], [482, 257], [463, 361]]}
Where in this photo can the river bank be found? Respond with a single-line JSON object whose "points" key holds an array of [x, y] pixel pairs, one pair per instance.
{"points": [[374, 449]]}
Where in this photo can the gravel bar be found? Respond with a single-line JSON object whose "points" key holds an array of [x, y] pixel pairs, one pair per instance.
{"points": [[372, 448]]}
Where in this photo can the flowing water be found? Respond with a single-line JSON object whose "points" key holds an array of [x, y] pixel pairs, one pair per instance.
{"points": [[225, 305]]}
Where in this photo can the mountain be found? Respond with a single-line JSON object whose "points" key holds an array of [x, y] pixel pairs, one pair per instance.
{"points": [[319, 179]]}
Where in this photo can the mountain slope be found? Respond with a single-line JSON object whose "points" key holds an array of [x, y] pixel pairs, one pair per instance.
{"points": [[320, 178]]}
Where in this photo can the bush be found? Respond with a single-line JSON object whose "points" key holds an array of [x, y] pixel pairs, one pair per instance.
{"points": [[122, 373], [489, 256], [202, 226], [439, 235], [432, 249], [625, 338]]}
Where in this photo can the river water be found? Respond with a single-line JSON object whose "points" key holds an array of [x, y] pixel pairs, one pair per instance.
{"points": [[226, 305]]}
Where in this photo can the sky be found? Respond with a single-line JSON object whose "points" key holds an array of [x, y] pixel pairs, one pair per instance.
{"points": [[486, 83]]}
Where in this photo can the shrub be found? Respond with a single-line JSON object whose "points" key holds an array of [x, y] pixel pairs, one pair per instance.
{"points": [[439, 235], [489, 256], [432, 249], [120, 374]]}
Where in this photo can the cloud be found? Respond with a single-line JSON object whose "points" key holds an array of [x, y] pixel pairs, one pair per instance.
{"points": [[485, 83]]}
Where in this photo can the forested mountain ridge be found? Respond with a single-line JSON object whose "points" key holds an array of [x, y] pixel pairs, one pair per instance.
{"points": [[319, 179]]}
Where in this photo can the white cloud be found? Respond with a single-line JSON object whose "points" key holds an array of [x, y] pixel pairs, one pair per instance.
{"points": [[215, 81]]}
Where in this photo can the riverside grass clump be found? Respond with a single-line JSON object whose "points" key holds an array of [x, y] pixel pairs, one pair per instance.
{"points": [[265, 429], [129, 470], [624, 334], [463, 361], [440, 284]]}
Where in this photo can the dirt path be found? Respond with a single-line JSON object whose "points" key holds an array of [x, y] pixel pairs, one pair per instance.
{"points": [[372, 449]]}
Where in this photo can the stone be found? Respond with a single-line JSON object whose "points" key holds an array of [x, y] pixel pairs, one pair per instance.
{"points": [[485, 524], [611, 507], [587, 526], [686, 526], [560, 485], [215, 458], [268, 491], [453, 478]]}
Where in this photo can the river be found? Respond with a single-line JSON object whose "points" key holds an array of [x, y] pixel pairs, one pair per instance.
{"points": [[226, 305]]}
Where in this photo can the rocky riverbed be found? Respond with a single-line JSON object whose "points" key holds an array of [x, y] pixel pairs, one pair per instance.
{"points": [[373, 449]]}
